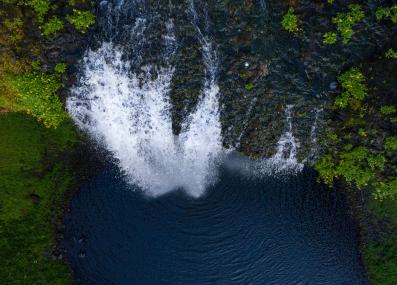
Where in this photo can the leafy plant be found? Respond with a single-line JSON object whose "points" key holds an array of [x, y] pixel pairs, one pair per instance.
{"points": [[353, 83], [41, 7], [81, 20], [51, 27], [249, 86], [290, 21], [387, 13], [345, 21], [391, 143], [391, 54], [330, 38], [60, 68], [388, 110]]}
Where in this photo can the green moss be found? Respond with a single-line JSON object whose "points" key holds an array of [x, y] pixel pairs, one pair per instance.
{"points": [[52, 27], [81, 20], [380, 255], [37, 97], [33, 181], [290, 21], [41, 7]]}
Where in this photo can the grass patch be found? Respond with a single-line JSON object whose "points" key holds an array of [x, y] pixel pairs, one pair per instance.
{"points": [[33, 180]]}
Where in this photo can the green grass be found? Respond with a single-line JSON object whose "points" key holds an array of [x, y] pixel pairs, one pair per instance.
{"points": [[380, 256], [33, 180]]}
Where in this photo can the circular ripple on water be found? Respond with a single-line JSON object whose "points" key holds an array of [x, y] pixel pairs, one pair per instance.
{"points": [[243, 231]]}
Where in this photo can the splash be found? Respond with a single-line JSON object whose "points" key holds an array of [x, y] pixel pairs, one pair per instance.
{"points": [[129, 114]]}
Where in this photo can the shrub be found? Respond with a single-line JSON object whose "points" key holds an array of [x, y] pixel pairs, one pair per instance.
{"points": [[51, 27], [290, 21], [355, 90], [81, 20]]}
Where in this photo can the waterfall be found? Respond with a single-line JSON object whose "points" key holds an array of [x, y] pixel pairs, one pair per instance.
{"points": [[128, 112]]}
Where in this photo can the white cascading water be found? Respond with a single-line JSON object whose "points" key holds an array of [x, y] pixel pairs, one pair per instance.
{"points": [[129, 114], [284, 160]]}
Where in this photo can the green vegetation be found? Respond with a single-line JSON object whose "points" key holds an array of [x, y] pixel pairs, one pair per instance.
{"points": [[353, 83], [37, 97], [290, 21], [345, 21], [82, 20], [52, 27], [330, 38], [388, 110], [60, 68], [387, 13], [391, 54], [33, 181], [380, 254], [350, 154], [249, 86]]}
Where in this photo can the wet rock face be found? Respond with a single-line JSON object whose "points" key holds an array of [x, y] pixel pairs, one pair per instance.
{"points": [[262, 68]]}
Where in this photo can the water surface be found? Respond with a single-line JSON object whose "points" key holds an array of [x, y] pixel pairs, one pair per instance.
{"points": [[242, 231]]}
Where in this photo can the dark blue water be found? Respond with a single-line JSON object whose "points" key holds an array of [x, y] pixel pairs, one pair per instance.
{"points": [[243, 231]]}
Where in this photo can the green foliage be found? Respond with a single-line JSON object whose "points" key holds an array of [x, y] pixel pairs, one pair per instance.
{"points": [[60, 68], [82, 20], [290, 21], [330, 38], [345, 21], [387, 13], [354, 165], [41, 7], [33, 181], [37, 97], [15, 30], [353, 83], [391, 143], [249, 86], [388, 110], [391, 54], [380, 253], [52, 27]]}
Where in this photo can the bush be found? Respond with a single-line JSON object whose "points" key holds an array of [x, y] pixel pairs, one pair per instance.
{"points": [[290, 21], [81, 20]]}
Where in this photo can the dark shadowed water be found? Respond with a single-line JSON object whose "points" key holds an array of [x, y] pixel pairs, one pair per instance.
{"points": [[242, 231]]}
